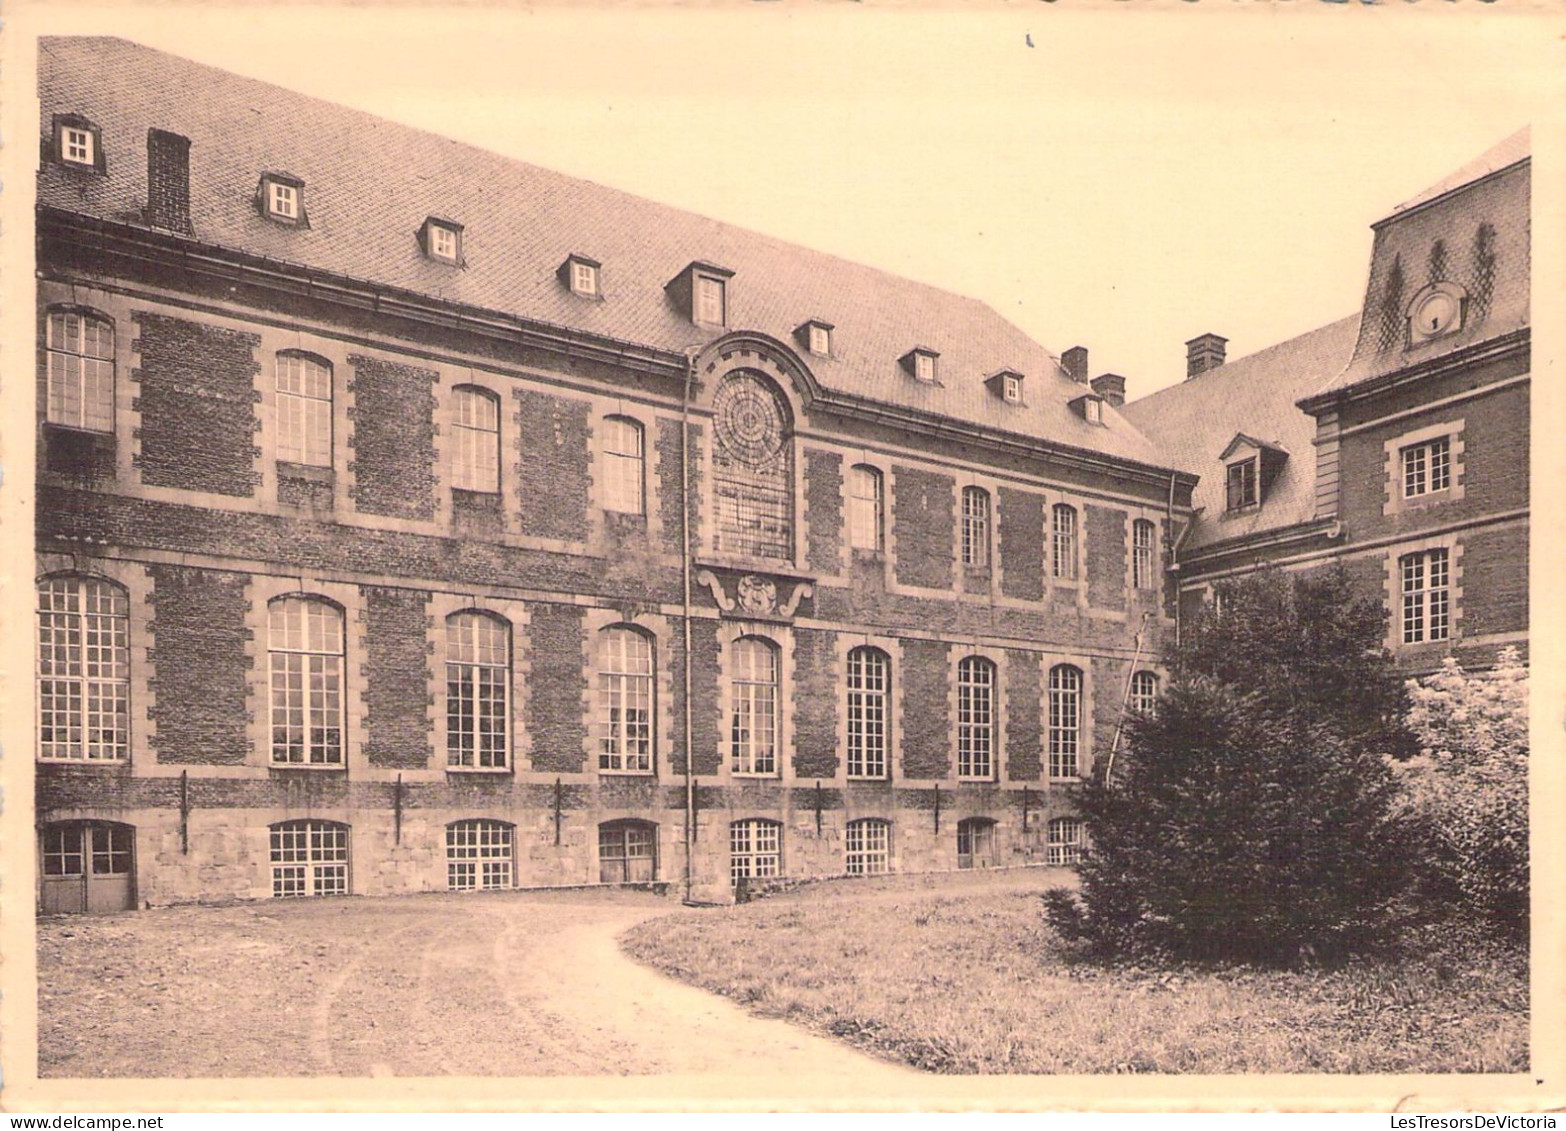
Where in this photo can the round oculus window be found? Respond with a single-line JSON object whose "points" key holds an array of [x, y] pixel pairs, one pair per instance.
{"points": [[749, 422], [1435, 314]]}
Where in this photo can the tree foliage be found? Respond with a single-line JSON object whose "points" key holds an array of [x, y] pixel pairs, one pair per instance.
{"points": [[1466, 793], [1251, 817]]}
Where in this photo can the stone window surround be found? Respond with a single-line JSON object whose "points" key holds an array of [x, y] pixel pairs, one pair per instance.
{"points": [[781, 637], [956, 654], [1395, 502], [512, 614], [892, 646], [1393, 591], [658, 633]]}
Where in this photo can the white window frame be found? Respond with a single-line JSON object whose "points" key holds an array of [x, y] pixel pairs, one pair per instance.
{"points": [[478, 665], [80, 383], [820, 340], [869, 715], [82, 137], [978, 718], [866, 509], [1144, 556], [327, 750], [480, 855], [976, 511], [1093, 410], [1427, 467], [924, 368], [1065, 717], [710, 301], [867, 844], [1064, 542], [310, 858], [755, 849], [1425, 595], [1447, 437], [755, 723], [1144, 693], [1063, 842], [1011, 388], [83, 669], [627, 701], [584, 278], [304, 385], [282, 201], [625, 465], [445, 243], [475, 446]]}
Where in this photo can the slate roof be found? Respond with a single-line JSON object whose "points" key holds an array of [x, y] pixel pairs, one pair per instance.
{"points": [[370, 183], [1437, 236], [1193, 422]]}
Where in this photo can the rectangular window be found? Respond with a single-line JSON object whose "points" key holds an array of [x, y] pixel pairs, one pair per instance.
{"points": [[1426, 596], [866, 508], [868, 679], [1065, 721], [624, 466], [478, 855], [709, 300], [81, 371], [1427, 468], [1143, 554], [1241, 485], [309, 858], [304, 410], [868, 846], [584, 278], [976, 720], [282, 200], [924, 367], [1012, 388], [1064, 543], [1064, 847], [83, 670], [76, 145], [975, 528], [820, 340], [443, 243], [755, 849]]}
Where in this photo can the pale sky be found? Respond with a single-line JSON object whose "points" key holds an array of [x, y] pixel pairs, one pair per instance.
{"points": [[1137, 176]]}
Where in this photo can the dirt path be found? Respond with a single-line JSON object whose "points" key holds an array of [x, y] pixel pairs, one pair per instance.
{"points": [[487, 985]]}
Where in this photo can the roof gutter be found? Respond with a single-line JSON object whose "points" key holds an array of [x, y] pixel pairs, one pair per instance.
{"points": [[1478, 353]]}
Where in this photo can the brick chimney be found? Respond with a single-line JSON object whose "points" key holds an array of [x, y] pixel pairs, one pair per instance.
{"points": [[1202, 353], [1110, 386], [168, 181], [1075, 362]]}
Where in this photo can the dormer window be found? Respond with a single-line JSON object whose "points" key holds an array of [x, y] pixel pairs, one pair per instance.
{"points": [[701, 292], [815, 336], [77, 143], [1250, 466], [280, 197], [1007, 385], [920, 362], [579, 274], [1090, 407], [441, 240], [1240, 489]]}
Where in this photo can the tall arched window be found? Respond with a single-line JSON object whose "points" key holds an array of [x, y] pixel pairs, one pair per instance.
{"points": [[624, 466], [625, 701], [975, 527], [475, 439], [752, 469], [869, 847], [80, 381], [1144, 554], [478, 691], [866, 509], [479, 855], [305, 659], [1063, 539], [1065, 721], [83, 670], [755, 849], [976, 719], [309, 858], [1144, 693], [304, 409], [753, 722], [869, 688]]}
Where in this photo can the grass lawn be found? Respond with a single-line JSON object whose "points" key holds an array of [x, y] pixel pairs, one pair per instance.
{"points": [[971, 980]]}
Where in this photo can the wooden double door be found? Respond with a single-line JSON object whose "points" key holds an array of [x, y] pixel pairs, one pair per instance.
{"points": [[89, 867]]}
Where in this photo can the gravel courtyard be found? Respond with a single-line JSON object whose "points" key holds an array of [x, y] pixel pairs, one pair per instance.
{"points": [[501, 984]]}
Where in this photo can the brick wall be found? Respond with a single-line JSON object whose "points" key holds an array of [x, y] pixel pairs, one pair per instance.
{"points": [[705, 726], [199, 632], [817, 690], [923, 524], [1495, 581], [557, 636], [393, 438], [926, 729], [1022, 544], [397, 640], [197, 401], [1024, 727], [1106, 557], [670, 484], [823, 509], [553, 477]]}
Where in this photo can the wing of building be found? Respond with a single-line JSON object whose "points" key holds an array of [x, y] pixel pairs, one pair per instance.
{"points": [[414, 518], [1394, 441]]}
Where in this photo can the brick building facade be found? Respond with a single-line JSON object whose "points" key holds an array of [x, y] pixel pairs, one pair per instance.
{"points": [[411, 518]]}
